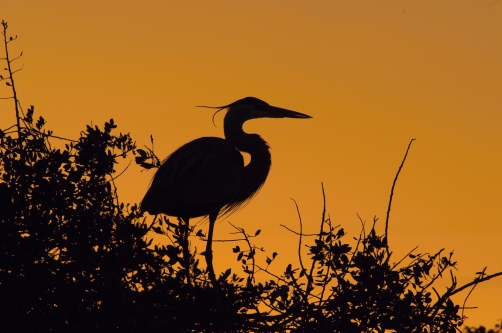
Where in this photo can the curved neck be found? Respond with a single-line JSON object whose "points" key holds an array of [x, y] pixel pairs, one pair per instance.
{"points": [[233, 129], [256, 172], [249, 143]]}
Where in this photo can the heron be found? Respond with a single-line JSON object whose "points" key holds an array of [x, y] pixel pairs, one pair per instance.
{"points": [[207, 177]]}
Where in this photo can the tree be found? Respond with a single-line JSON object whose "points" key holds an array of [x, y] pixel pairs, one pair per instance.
{"points": [[74, 258]]}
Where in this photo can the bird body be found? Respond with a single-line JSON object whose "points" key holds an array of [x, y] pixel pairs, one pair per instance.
{"points": [[207, 176], [181, 187]]}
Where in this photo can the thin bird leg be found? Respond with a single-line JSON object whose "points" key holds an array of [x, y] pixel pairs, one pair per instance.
{"points": [[209, 260], [185, 245], [209, 249]]}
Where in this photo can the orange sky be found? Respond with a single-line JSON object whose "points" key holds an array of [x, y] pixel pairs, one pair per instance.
{"points": [[373, 74]]}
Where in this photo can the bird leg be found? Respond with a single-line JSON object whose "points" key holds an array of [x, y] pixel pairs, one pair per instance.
{"points": [[209, 249], [209, 260], [185, 245]]}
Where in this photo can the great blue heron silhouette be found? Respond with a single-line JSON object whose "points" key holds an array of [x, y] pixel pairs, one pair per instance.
{"points": [[207, 176]]}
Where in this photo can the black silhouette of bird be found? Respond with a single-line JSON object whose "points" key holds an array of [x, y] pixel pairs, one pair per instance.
{"points": [[207, 176]]}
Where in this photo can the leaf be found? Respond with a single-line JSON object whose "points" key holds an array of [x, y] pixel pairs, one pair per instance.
{"points": [[171, 224], [257, 232], [142, 153], [345, 248], [226, 274], [40, 123], [158, 230]]}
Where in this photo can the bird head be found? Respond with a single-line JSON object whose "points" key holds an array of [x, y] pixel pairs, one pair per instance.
{"points": [[252, 108]]}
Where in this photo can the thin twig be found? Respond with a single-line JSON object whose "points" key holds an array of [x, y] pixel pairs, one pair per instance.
{"points": [[12, 60], [476, 281], [272, 274], [228, 240], [120, 174], [54, 136], [8, 128], [391, 195], [407, 254], [300, 234], [296, 232], [470, 291]]}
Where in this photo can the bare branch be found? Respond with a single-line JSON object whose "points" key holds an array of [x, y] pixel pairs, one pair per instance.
{"points": [[407, 254], [296, 232], [300, 234], [476, 281], [11, 39], [9, 69], [391, 195], [8, 128], [17, 70], [228, 240]]}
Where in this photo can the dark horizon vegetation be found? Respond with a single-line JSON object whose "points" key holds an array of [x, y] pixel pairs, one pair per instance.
{"points": [[75, 258]]}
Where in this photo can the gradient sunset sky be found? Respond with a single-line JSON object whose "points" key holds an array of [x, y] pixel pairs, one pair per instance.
{"points": [[372, 74]]}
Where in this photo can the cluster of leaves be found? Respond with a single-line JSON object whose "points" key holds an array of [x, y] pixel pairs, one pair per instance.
{"points": [[74, 258], [482, 329]]}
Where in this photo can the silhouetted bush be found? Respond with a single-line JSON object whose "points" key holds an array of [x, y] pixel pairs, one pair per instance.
{"points": [[482, 329], [74, 258]]}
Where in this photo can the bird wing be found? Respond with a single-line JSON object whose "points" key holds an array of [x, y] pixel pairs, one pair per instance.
{"points": [[203, 173]]}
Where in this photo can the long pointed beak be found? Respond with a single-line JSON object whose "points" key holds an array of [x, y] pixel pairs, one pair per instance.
{"points": [[276, 112]]}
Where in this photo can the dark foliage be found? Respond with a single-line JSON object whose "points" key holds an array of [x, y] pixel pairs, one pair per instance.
{"points": [[75, 259], [482, 329]]}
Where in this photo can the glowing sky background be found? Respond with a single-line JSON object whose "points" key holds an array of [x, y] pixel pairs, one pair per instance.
{"points": [[372, 74]]}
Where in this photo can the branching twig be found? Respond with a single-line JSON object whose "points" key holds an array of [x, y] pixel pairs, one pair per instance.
{"points": [[251, 251], [407, 254], [476, 281], [11, 77], [472, 289], [314, 260]]}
